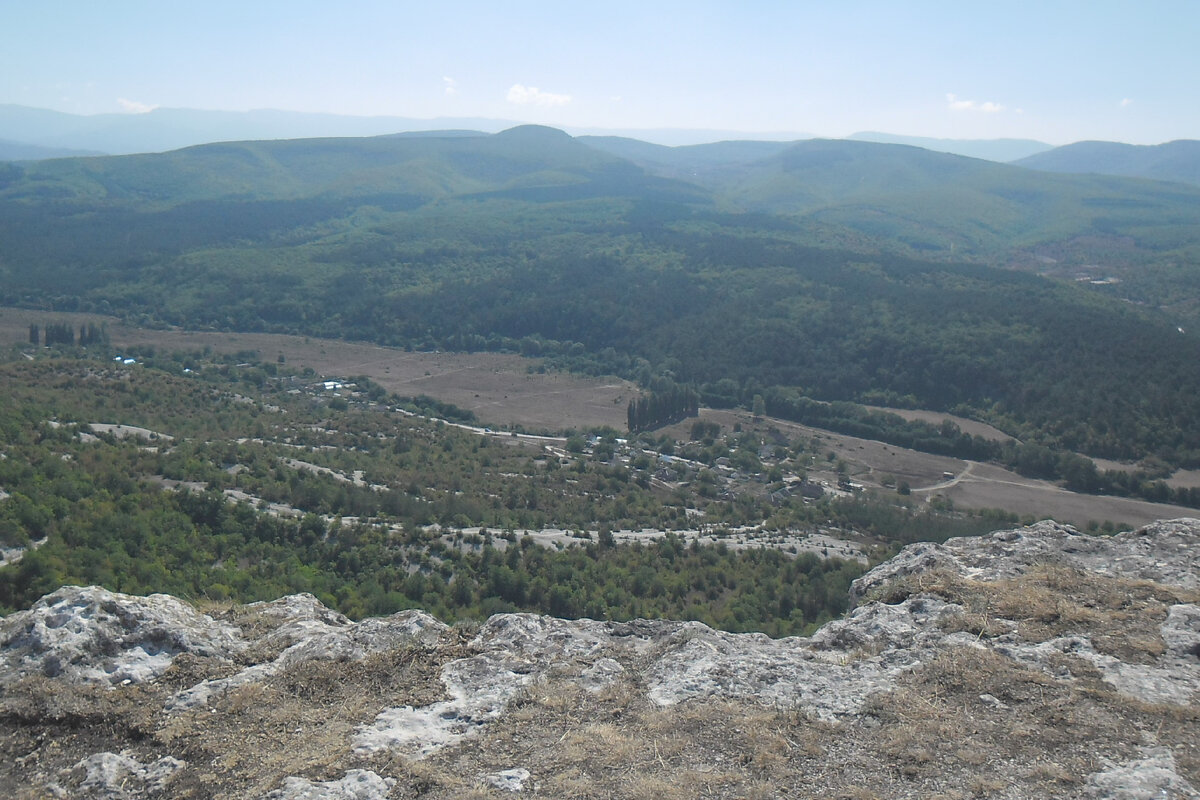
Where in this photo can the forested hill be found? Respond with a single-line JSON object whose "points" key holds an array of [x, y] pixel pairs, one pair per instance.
{"points": [[828, 270], [688, 161], [423, 167], [1170, 161], [938, 203]]}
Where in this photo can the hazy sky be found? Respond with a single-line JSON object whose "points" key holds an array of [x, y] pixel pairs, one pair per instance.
{"points": [[1055, 71]]}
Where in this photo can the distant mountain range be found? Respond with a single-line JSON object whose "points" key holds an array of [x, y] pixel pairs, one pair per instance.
{"points": [[1172, 161], [30, 134], [989, 149], [928, 202], [172, 128], [23, 151]]}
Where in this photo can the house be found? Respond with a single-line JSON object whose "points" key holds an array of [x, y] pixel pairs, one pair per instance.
{"points": [[811, 491]]}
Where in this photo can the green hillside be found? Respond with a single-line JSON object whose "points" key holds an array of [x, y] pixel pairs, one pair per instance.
{"points": [[428, 167], [939, 202], [685, 161], [1171, 161], [839, 270]]}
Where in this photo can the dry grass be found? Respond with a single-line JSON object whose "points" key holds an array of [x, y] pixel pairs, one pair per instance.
{"points": [[1120, 616], [967, 723]]}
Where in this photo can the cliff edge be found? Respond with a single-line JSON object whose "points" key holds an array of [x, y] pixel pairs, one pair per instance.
{"points": [[1035, 662]]}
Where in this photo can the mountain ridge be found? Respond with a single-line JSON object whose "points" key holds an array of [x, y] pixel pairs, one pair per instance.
{"points": [[1002, 150], [1177, 160], [532, 236]]}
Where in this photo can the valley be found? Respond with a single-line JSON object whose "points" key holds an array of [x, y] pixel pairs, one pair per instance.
{"points": [[508, 393], [503, 390], [375, 365], [623, 401]]}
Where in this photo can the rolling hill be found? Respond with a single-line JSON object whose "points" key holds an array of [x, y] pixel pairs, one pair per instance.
{"points": [[940, 202], [990, 149], [841, 270], [1171, 161], [164, 129]]}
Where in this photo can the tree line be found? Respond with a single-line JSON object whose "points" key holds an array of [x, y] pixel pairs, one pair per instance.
{"points": [[667, 402]]}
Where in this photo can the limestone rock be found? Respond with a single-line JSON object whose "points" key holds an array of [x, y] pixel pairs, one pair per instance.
{"points": [[516, 650], [357, 784], [313, 632], [830, 675], [89, 634], [118, 776], [1162, 552], [1121, 649], [508, 780], [1151, 777]]}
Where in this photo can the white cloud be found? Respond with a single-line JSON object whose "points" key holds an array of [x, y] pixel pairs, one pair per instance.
{"points": [[987, 107], [134, 107], [531, 95], [451, 85], [1125, 101]]}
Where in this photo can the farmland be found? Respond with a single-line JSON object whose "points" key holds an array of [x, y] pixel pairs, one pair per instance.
{"points": [[502, 390], [509, 391]]}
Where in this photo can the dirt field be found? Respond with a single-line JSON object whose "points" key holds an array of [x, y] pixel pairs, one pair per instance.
{"points": [[1184, 479], [498, 388], [501, 391], [1107, 464], [968, 426], [984, 486], [992, 487]]}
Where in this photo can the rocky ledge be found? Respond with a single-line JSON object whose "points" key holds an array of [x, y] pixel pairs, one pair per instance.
{"points": [[1037, 662]]}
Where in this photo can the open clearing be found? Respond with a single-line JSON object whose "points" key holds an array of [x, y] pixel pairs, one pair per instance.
{"points": [[985, 486], [968, 426], [502, 391], [499, 388]]}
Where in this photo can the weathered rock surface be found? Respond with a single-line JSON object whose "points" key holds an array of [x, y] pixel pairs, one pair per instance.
{"points": [[94, 635], [358, 784], [116, 776], [1032, 662], [1164, 552], [1151, 777], [300, 629]]}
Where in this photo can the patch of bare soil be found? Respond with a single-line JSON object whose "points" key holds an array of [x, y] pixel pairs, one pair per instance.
{"points": [[993, 487], [968, 426], [873, 463], [1184, 479]]}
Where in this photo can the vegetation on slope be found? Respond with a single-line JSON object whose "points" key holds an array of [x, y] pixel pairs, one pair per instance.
{"points": [[1170, 161], [533, 242], [353, 498]]}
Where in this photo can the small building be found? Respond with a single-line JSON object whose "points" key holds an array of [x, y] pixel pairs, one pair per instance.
{"points": [[811, 491]]}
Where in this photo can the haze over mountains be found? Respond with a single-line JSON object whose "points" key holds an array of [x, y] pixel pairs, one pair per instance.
{"points": [[32, 134], [28, 134], [990, 149], [172, 128], [1170, 161]]}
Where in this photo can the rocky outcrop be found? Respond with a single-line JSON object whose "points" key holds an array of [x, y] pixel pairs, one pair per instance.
{"points": [[1031, 662], [1164, 552], [91, 635]]}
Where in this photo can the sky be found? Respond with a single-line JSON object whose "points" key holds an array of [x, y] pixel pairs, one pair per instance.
{"points": [[1052, 70]]}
